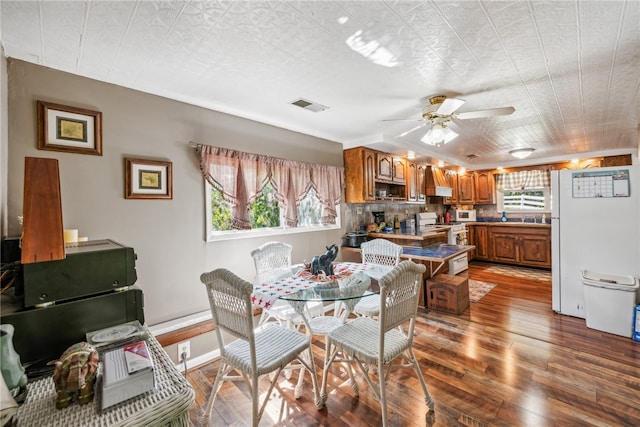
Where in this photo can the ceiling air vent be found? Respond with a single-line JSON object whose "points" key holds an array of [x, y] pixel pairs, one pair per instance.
{"points": [[471, 156], [308, 105]]}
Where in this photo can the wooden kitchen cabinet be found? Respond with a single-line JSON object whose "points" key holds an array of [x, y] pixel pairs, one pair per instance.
{"points": [[391, 169], [522, 245], [466, 188], [453, 182], [360, 171], [412, 182], [484, 187], [422, 183], [471, 240], [481, 241]]}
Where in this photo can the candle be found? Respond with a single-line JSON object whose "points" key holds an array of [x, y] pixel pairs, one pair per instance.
{"points": [[71, 236]]}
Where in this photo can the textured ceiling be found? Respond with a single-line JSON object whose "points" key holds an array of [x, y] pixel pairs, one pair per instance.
{"points": [[571, 69]]}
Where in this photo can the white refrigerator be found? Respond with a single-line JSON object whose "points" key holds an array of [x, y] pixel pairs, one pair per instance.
{"points": [[595, 226]]}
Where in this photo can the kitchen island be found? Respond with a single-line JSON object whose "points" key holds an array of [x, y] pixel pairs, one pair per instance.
{"points": [[434, 257]]}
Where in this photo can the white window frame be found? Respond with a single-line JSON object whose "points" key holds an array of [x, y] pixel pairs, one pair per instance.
{"points": [[547, 203], [217, 236]]}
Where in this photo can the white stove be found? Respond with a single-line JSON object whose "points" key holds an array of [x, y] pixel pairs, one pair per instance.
{"points": [[458, 236]]}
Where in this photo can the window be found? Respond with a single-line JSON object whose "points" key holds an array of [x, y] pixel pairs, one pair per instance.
{"points": [[250, 195], [524, 191], [265, 214], [534, 200]]}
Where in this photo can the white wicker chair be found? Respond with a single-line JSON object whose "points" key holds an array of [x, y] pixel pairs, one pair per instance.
{"points": [[272, 261], [251, 354], [380, 256], [366, 341], [357, 284]]}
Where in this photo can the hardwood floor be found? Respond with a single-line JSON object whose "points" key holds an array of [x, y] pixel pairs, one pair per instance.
{"points": [[508, 360]]}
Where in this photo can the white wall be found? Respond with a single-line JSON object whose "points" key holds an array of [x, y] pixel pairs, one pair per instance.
{"points": [[167, 235]]}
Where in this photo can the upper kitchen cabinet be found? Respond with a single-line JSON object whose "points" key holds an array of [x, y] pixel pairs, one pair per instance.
{"points": [[466, 188], [412, 182], [360, 170], [452, 179], [391, 169], [484, 188], [421, 182]]}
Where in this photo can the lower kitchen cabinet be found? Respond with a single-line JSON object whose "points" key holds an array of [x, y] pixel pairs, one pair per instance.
{"points": [[522, 245], [481, 241]]}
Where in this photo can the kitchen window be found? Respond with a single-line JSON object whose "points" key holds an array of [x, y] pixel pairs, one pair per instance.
{"points": [[250, 195], [524, 191]]}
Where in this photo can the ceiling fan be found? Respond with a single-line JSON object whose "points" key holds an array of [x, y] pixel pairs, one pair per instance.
{"points": [[441, 113]]}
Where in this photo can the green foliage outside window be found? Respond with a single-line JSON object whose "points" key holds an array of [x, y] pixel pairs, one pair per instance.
{"points": [[220, 212], [265, 211]]}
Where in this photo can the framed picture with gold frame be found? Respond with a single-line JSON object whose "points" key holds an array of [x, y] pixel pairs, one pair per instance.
{"points": [[70, 129], [148, 179]]}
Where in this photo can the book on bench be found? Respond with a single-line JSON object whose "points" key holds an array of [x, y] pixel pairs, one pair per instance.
{"points": [[127, 372]]}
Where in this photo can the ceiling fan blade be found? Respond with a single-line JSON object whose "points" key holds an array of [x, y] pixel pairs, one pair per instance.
{"points": [[454, 127], [405, 133], [505, 111], [449, 106]]}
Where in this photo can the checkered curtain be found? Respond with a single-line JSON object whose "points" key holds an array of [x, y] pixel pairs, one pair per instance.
{"points": [[523, 180]]}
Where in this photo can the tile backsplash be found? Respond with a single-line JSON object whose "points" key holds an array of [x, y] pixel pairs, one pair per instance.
{"points": [[359, 214]]}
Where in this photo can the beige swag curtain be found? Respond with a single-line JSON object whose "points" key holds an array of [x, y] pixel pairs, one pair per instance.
{"points": [[241, 178]]}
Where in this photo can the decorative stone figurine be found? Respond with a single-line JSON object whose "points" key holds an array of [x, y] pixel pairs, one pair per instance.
{"points": [[324, 262], [75, 374]]}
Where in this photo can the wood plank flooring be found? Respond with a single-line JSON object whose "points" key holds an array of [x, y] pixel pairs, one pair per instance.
{"points": [[508, 360]]}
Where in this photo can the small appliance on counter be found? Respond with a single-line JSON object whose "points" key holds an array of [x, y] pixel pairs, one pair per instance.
{"points": [[354, 239], [378, 217], [464, 215], [425, 220]]}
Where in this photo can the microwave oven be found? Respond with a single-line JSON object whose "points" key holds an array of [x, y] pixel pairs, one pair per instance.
{"points": [[465, 215]]}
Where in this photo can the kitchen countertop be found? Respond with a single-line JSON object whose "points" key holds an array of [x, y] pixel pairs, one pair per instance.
{"points": [[405, 234]]}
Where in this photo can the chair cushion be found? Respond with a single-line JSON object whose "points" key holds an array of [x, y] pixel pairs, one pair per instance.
{"points": [[359, 338], [275, 347], [368, 306], [321, 325]]}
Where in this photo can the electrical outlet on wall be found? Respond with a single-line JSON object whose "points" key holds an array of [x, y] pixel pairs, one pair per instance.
{"points": [[359, 210], [184, 348]]}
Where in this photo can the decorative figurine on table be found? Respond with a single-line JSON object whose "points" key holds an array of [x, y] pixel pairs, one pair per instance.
{"points": [[75, 374], [324, 262]]}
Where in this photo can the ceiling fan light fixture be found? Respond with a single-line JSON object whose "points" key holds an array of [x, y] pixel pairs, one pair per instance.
{"points": [[522, 153]]}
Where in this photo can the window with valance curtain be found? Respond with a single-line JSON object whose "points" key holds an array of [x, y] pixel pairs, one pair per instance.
{"points": [[523, 180], [241, 177]]}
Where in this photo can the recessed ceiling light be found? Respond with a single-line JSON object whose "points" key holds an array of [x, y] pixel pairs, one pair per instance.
{"points": [[522, 153], [575, 161]]}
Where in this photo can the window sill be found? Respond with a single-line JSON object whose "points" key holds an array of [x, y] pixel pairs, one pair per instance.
{"points": [[245, 234]]}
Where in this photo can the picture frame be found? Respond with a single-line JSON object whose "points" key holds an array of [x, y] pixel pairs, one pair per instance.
{"points": [[69, 129], [148, 179]]}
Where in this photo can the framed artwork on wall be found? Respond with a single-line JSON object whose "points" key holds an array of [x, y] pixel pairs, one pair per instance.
{"points": [[148, 179], [70, 129]]}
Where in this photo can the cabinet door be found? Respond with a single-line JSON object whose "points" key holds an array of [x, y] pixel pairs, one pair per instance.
{"points": [[399, 171], [482, 241], [421, 186], [453, 181], [535, 250], [384, 171], [359, 168], [369, 178], [471, 240], [504, 247], [485, 187], [466, 188], [412, 182]]}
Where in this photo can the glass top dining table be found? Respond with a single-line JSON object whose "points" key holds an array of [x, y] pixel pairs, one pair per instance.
{"points": [[300, 285]]}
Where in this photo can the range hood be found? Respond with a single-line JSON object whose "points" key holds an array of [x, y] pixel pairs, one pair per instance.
{"points": [[437, 183]]}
